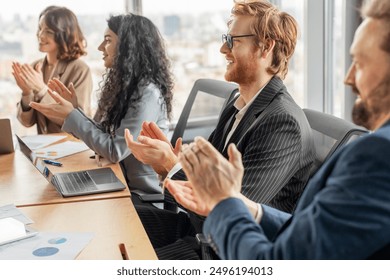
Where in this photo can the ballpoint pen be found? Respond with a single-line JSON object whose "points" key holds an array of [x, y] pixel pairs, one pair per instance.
{"points": [[122, 249], [52, 162]]}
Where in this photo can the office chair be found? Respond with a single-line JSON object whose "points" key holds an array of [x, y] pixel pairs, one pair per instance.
{"points": [[197, 119], [194, 120], [329, 134]]}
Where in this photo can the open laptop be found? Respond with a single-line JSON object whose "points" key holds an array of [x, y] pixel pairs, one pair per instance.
{"points": [[84, 182], [6, 143]]}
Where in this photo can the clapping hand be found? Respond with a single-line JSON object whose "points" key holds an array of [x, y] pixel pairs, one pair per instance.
{"points": [[154, 152], [68, 93], [29, 79], [56, 111], [151, 130], [212, 178]]}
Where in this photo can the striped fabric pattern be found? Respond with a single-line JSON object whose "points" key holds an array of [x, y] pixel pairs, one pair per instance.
{"points": [[277, 153]]}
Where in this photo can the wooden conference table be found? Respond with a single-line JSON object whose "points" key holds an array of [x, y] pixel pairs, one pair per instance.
{"points": [[113, 222], [111, 216], [23, 185]]}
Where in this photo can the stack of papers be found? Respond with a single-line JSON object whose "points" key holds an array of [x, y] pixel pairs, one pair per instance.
{"points": [[12, 230], [40, 141], [12, 225], [17, 242], [61, 150], [10, 211], [41, 146]]}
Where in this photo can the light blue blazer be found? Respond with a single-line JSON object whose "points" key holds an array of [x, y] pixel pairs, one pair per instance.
{"points": [[140, 178]]}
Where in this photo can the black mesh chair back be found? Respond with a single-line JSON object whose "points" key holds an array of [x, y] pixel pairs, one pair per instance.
{"points": [[202, 109], [330, 133]]}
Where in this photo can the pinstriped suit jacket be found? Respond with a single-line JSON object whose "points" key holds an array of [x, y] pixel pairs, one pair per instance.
{"points": [[276, 145], [277, 148]]}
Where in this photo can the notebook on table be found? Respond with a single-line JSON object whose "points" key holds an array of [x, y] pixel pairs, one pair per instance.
{"points": [[6, 143], [77, 183]]}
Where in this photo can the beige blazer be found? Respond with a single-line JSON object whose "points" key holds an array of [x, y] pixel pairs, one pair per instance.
{"points": [[76, 71]]}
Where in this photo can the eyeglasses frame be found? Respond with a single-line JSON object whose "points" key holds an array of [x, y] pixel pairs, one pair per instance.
{"points": [[228, 39]]}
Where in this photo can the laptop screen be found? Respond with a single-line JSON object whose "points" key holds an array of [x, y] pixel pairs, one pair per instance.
{"points": [[6, 143], [75, 183], [37, 162], [26, 150]]}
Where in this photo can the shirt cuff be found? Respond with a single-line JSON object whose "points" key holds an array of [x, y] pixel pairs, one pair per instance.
{"points": [[174, 170], [38, 96], [258, 213], [25, 102]]}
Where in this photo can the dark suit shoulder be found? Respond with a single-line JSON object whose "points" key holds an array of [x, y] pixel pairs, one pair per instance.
{"points": [[369, 150]]}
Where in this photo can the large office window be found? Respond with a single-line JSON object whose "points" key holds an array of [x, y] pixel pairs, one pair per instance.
{"points": [[334, 54], [192, 31], [330, 25], [295, 78], [341, 21]]}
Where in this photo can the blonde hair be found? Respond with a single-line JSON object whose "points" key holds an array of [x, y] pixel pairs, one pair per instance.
{"points": [[271, 24]]}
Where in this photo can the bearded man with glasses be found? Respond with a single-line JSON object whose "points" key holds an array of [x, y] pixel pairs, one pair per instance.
{"points": [[268, 127]]}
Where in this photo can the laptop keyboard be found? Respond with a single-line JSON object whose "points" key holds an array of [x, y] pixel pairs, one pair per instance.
{"points": [[78, 182]]}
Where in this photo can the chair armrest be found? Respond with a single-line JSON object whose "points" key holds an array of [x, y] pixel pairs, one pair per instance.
{"points": [[158, 197]]}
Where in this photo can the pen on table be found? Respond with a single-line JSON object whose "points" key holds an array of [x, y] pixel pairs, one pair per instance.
{"points": [[122, 249], [52, 162]]}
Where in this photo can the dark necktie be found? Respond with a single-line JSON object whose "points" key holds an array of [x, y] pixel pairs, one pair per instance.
{"points": [[223, 128]]}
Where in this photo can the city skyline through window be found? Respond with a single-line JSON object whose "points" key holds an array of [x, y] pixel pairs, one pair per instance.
{"points": [[192, 36]]}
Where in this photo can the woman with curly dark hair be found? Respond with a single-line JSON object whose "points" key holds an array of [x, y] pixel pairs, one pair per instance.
{"points": [[137, 87], [60, 37]]}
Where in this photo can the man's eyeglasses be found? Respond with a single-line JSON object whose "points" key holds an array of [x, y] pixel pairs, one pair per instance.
{"points": [[228, 39]]}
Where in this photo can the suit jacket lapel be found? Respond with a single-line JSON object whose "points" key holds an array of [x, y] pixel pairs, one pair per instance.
{"points": [[258, 106], [60, 69], [219, 133]]}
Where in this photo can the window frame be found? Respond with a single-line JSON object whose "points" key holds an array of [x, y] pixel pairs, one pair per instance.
{"points": [[319, 53]]}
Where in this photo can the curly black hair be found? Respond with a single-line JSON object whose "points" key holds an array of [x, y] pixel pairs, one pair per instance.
{"points": [[141, 60]]}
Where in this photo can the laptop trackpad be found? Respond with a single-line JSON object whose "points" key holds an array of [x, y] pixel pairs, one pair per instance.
{"points": [[103, 176]]}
